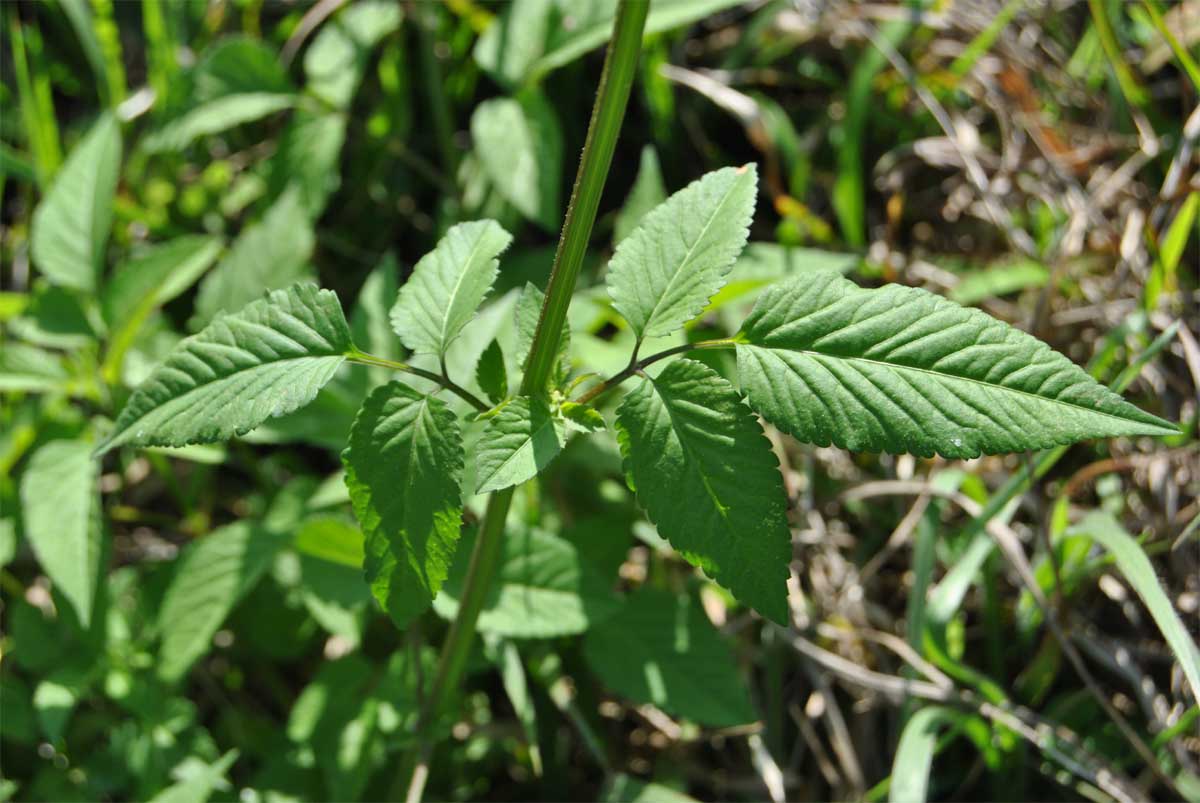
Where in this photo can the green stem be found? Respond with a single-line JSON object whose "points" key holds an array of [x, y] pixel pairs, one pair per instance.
{"points": [[612, 96], [362, 358], [636, 365]]}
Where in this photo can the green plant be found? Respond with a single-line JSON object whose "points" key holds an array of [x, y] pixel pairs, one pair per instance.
{"points": [[891, 369]]}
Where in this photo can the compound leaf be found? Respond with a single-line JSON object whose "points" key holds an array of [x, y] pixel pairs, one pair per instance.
{"points": [[705, 474], [213, 574], [267, 360], [448, 285], [60, 501], [517, 443], [901, 370], [660, 648], [404, 470], [663, 274], [71, 225]]}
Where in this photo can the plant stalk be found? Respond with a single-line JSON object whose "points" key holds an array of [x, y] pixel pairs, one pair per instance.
{"points": [[612, 96]]}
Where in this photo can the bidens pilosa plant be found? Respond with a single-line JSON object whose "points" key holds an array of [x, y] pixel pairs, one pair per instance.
{"points": [[892, 369]]}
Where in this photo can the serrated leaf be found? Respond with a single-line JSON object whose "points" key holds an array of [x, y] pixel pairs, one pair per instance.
{"points": [[337, 58], [660, 648], [518, 441], [266, 255], [448, 285], [901, 370], [520, 146], [544, 588], [490, 373], [533, 37], [214, 117], [663, 274], [528, 311], [706, 476], [60, 500], [648, 192], [71, 225], [266, 360], [211, 576], [404, 470]]}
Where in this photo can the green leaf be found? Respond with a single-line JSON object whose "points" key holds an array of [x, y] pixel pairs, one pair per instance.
{"points": [[404, 470], [622, 788], [199, 782], [999, 279], [534, 37], [71, 225], [155, 275], [211, 576], [901, 370], [763, 264], [55, 318], [332, 539], [660, 648], [150, 279], [60, 500], [914, 753], [337, 58], [267, 360], [528, 312], [30, 369], [214, 117], [1138, 571], [706, 476], [237, 65], [266, 255], [520, 146], [663, 274], [518, 441], [516, 687], [308, 156], [490, 373], [543, 589], [648, 192], [448, 285], [369, 324]]}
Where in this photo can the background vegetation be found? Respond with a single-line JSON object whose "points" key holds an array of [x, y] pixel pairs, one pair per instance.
{"points": [[1000, 628]]}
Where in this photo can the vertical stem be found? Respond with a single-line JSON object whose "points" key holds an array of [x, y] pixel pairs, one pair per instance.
{"points": [[612, 96]]}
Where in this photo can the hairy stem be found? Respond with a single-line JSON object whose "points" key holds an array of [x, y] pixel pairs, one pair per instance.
{"points": [[362, 358], [612, 96], [636, 365]]}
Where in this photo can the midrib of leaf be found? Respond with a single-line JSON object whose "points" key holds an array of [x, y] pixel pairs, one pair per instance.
{"points": [[816, 355], [690, 253], [454, 294]]}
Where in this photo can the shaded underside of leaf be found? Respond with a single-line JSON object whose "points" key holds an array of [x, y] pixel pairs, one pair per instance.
{"points": [[448, 285], [266, 360], [404, 470], [706, 476], [663, 274], [517, 442], [901, 370]]}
